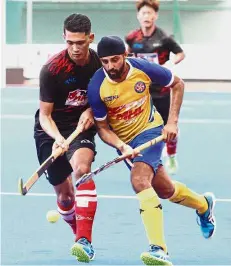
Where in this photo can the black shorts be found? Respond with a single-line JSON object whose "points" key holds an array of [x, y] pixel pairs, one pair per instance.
{"points": [[162, 105], [60, 169]]}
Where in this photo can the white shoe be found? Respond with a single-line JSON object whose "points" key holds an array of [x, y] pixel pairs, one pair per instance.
{"points": [[171, 164], [155, 256]]}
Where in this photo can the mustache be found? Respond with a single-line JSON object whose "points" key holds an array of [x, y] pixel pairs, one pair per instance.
{"points": [[113, 70]]}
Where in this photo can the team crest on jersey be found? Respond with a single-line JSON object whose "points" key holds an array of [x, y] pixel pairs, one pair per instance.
{"points": [[140, 86], [77, 98]]}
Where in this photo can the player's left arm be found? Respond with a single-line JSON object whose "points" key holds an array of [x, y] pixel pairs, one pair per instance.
{"points": [[179, 57], [175, 48], [104, 130], [100, 113], [177, 92], [164, 78], [110, 138]]}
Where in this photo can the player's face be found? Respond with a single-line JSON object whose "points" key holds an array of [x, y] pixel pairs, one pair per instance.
{"points": [[78, 44], [147, 16], [114, 66]]}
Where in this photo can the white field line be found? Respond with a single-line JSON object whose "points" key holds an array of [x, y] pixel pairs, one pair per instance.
{"points": [[99, 196]]}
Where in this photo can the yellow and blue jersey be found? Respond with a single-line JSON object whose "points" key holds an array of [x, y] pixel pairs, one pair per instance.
{"points": [[127, 105]]}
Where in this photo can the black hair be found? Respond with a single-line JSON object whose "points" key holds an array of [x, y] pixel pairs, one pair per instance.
{"points": [[77, 23]]}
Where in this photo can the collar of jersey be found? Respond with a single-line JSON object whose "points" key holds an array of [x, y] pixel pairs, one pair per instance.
{"points": [[150, 35], [128, 75]]}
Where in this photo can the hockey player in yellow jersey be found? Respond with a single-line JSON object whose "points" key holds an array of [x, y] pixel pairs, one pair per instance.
{"points": [[125, 117]]}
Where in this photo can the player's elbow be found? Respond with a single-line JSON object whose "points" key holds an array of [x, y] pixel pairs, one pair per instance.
{"points": [[181, 84], [182, 56], [179, 57], [79, 169], [43, 118], [178, 84]]}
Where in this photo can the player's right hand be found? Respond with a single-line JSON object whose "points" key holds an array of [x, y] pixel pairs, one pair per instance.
{"points": [[129, 151], [60, 142]]}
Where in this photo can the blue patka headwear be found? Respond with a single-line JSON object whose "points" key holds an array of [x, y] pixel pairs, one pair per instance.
{"points": [[110, 45]]}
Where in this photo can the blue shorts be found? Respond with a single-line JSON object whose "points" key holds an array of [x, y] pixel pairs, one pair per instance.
{"points": [[151, 155]]}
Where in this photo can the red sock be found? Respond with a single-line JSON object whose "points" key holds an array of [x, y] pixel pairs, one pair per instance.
{"points": [[68, 214], [85, 208], [171, 147]]}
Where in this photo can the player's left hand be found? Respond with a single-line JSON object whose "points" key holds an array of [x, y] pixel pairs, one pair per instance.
{"points": [[170, 131], [86, 120]]}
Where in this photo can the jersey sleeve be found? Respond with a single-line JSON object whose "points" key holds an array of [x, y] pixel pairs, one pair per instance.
{"points": [[174, 46], [47, 85], [93, 92], [159, 75], [129, 39]]}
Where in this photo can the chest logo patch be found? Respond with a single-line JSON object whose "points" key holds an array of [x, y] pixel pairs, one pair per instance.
{"points": [[77, 98], [140, 87], [138, 45]]}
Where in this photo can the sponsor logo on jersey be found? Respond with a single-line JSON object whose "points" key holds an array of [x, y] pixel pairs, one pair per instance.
{"points": [[128, 111], [70, 80], [77, 98], [156, 45], [86, 141], [138, 45], [110, 98]]}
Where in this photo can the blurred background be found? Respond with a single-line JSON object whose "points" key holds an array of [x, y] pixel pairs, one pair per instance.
{"points": [[33, 32]]}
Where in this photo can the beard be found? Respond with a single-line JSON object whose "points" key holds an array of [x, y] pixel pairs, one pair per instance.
{"points": [[116, 73]]}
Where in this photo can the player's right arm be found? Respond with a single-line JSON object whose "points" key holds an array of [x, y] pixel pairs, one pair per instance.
{"points": [[110, 138], [100, 116], [100, 111], [47, 91], [129, 39]]}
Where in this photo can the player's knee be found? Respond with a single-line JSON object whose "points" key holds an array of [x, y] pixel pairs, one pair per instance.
{"points": [[80, 170], [166, 192], [139, 183], [65, 190], [65, 199]]}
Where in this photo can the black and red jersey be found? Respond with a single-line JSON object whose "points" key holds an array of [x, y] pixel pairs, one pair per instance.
{"points": [[64, 83], [156, 49], [159, 44]]}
